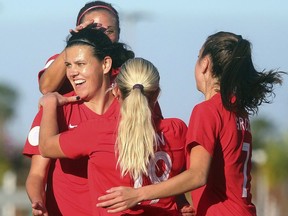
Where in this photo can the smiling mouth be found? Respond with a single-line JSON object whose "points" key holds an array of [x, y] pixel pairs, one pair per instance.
{"points": [[79, 82]]}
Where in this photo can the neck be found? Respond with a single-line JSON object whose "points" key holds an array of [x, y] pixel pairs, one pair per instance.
{"points": [[211, 88], [209, 95], [101, 104]]}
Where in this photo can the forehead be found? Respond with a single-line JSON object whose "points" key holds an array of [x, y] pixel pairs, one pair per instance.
{"points": [[100, 16], [78, 52]]}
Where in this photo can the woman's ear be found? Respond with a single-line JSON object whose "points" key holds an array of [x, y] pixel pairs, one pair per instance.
{"points": [[107, 64], [205, 64]]}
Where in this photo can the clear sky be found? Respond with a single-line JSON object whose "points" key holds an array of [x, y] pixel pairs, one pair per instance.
{"points": [[168, 33]]}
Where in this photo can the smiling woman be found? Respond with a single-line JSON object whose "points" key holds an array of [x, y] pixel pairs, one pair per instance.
{"points": [[89, 62], [90, 56]]}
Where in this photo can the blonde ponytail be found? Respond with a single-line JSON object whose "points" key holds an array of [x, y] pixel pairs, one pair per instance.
{"points": [[138, 82]]}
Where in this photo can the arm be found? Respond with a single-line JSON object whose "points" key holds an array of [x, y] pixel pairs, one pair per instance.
{"points": [[49, 145], [185, 204], [121, 198], [54, 76], [36, 182]]}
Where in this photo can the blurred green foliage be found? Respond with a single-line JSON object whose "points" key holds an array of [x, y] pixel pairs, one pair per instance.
{"points": [[10, 153], [273, 170], [275, 145]]}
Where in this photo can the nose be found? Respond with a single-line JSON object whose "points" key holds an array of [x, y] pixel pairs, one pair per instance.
{"points": [[72, 71]]}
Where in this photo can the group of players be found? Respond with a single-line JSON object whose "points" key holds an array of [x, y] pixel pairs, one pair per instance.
{"points": [[99, 144]]}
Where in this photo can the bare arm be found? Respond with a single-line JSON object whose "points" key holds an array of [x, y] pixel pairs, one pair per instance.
{"points": [[54, 76], [121, 198], [36, 183], [49, 145]]}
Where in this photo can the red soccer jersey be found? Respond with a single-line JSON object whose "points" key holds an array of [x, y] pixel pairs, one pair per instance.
{"points": [[227, 137], [67, 184], [98, 138], [169, 161]]}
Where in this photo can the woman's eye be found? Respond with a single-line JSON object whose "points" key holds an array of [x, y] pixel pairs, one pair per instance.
{"points": [[109, 31], [67, 65]]}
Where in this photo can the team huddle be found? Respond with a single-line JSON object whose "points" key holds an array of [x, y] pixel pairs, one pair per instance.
{"points": [[99, 144]]}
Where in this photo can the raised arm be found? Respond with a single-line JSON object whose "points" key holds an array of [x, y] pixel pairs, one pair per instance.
{"points": [[53, 76]]}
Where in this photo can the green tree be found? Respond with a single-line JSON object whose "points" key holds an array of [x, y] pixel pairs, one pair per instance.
{"points": [[8, 98], [263, 130], [274, 170]]}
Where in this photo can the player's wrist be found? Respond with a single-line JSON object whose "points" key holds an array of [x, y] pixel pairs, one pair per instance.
{"points": [[142, 194]]}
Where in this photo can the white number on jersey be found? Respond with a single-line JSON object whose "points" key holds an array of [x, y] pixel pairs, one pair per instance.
{"points": [[245, 148], [152, 171]]}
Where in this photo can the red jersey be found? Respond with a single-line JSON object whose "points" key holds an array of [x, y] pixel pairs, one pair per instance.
{"points": [[98, 139], [169, 161], [227, 137], [67, 184]]}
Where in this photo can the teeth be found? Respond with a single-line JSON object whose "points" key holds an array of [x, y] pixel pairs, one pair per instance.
{"points": [[77, 82]]}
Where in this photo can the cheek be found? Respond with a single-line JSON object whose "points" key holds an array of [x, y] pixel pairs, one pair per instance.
{"points": [[197, 76], [96, 78], [195, 72]]}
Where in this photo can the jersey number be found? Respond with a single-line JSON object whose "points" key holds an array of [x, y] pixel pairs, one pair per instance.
{"points": [[153, 168], [245, 148]]}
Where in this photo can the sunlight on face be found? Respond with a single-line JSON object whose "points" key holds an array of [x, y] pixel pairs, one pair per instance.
{"points": [[197, 72], [107, 21], [84, 71]]}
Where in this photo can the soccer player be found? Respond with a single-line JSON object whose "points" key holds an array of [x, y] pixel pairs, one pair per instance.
{"points": [[89, 58]]}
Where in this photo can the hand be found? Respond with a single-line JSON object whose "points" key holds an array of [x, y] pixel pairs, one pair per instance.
{"points": [[119, 199], [57, 99], [81, 26], [39, 209], [188, 210]]}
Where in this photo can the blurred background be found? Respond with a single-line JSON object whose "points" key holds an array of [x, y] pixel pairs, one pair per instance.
{"points": [[167, 33]]}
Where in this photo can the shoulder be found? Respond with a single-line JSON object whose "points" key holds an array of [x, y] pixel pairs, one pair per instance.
{"points": [[52, 58], [174, 125], [47, 64], [171, 134], [211, 107]]}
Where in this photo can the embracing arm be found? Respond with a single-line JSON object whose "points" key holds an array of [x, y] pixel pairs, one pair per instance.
{"points": [[54, 76], [36, 182], [49, 145], [121, 198]]}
